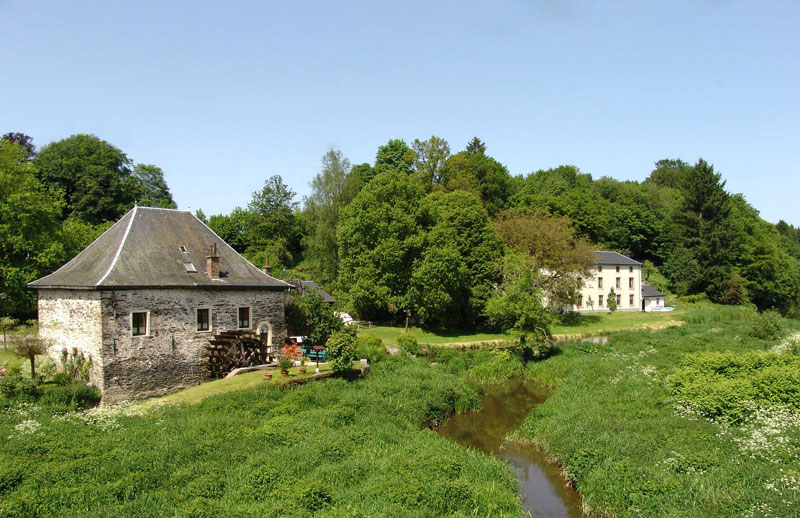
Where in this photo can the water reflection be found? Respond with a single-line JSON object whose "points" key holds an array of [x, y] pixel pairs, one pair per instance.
{"points": [[503, 409]]}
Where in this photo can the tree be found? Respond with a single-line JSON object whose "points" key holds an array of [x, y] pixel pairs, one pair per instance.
{"points": [[379, 238], [394, 156], [232, 228], [476, 146], [152, 188], [563, 258], [93, 177], [29, 229], [29, 346], [271, 215], [612, 300], [322, 215], [6, 325], [430, 157], [23, 140], [517, 303], [307, 315], [199, 214]]}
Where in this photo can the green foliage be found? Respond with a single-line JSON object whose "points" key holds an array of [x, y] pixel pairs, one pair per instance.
{"points": [[93, 177], [612, 300], [726, 385], [341, 348], [768, 325], [322, 215], [649, 446], [517, 306], [307, 315], [15, 387], [152, 189], [74, 395], [408, 343], [371, 348], [284, 364], [502, 366]]}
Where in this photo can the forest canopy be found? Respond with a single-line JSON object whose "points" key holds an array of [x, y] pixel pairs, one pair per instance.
{"points": [[428, 232]]}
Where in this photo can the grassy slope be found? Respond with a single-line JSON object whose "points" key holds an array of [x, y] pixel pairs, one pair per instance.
{"points": [[326, 449], [613, 423]]}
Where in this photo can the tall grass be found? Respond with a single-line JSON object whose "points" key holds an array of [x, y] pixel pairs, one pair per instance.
{"points": [[332, 448], [631, 421]]}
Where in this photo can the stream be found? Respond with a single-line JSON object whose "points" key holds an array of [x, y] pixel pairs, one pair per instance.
{"points": [[503, 409]]}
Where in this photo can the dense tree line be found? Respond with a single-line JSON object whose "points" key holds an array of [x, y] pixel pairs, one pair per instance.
{"points": [[449, 239], [55, 201]]}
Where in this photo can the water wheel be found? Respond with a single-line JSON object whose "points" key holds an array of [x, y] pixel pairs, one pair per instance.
{"points": [[230, 350]]}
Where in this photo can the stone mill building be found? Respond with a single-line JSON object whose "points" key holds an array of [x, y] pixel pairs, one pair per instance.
{"points": [[146, 297]]}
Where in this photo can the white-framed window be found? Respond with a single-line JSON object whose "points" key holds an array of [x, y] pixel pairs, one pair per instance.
{"points": [[619, 300], [599, 267], [617, 269], [630, 269], [630, 282], [630, 299], [203, 320], [243, 317], [140, 323], [617, 282], [600, 283], [580, 301], [600, 301]]}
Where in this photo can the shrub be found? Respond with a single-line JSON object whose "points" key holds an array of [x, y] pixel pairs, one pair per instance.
{"points": [[371, 348], [45, 368], [342, 349], [284, 363], [75, 394], [768, 325], [16, 387]]}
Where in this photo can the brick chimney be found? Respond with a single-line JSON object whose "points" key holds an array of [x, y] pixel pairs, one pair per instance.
{"points": [[212, 262], [267, 268]]}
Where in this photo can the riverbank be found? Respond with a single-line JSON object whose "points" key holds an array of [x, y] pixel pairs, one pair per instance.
{"points": [[698, 420]]}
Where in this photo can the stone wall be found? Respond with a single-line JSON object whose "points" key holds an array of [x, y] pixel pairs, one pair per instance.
{"points": [[171, 356], [71, 319]]}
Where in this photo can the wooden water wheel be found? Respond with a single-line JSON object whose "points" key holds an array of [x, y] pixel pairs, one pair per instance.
{"points": [[229, 350]]}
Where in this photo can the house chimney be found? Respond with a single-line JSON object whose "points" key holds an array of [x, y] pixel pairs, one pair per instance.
{"points": [[267, 268], [212, 262]]}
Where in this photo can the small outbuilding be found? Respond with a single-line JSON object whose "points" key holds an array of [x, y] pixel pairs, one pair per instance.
{"points": [[146, 299], [651, 298]]}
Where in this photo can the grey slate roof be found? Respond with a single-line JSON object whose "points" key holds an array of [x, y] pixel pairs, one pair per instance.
{"points": [[614, 258], [143, 249], [649, 291], [312, 288]]}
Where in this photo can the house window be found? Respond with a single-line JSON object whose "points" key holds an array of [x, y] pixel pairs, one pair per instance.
{"points": [[617, 282], [244, 318], [580, 301], [600, 301], [630, 282], [617, 269], [630, 299], [619, 300], [600, 283], [140, 321], [630, 269], [599, 267], [203, 319]]}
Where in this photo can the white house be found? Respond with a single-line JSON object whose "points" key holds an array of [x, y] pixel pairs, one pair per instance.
{"points": [[612, 271], [651, 298]]}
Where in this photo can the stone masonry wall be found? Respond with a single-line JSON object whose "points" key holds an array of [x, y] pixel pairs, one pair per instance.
{"points": [[171, 356], [71, 319]]}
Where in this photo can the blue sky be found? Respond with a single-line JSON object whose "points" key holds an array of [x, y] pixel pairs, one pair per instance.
{"points": [[222, 95]]}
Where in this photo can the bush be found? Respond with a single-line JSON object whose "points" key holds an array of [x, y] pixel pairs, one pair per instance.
{"points": [[342, 349], [76, 395], [16, 387], [501, 366], [408, 343], [45, 368], [371, 348], [768, 325]]}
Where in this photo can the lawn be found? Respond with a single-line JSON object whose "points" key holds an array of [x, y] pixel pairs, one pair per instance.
{"points": [[9, 356], [246, 381], [570, 327]]}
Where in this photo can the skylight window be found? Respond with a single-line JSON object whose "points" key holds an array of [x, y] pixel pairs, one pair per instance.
{"points": [[182, 249], [190, 267]]}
